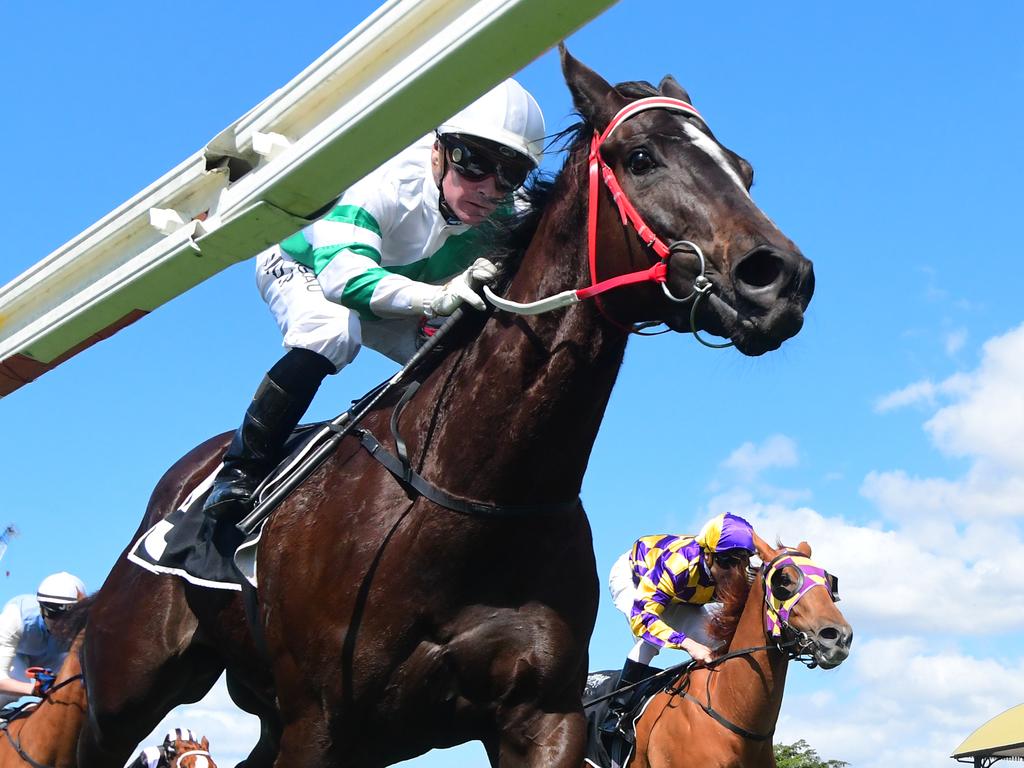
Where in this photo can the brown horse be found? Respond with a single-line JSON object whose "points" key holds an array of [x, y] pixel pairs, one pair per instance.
{"points": [[723, 716], [393, 624], [183, 749], [46, 734]]}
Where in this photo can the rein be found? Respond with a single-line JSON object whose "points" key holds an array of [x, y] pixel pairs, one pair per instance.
{"points": [[599, 171], [20, 713], [679, 669]]}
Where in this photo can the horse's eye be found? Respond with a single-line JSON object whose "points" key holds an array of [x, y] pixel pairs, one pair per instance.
{"points": [[640, 162]]}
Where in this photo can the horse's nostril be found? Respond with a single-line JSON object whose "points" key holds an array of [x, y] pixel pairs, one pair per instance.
{"points": [[828, 635], [760, 269]]}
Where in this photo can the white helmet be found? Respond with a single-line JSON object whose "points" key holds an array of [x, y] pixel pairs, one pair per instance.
{"points": [[507, 115], [60, 589]]}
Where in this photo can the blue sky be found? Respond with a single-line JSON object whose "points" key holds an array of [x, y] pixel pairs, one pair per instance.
{"points": [[886, 143]]}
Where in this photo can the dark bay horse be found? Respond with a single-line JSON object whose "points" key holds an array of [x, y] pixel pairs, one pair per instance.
{"points": [[393, 625], [724, 716]]}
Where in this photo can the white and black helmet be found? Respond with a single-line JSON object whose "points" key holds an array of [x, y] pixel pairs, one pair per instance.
{"points": [[59, 590], [506, 115]]}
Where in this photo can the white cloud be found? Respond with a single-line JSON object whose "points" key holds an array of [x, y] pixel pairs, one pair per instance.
{"points": [[988, 420], [890, 579], [750, 459], [955, 341], [919, 391]]}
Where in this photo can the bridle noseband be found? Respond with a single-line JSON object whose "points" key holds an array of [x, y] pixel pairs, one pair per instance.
{"points": [[599, 171], [778, 607]]}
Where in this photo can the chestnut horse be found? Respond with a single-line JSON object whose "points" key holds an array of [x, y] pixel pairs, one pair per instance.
{"points": [[393, 625], [46, 734], [183, 749], [724, 715]]}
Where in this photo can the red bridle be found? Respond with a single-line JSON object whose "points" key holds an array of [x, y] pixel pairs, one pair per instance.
{"points": [[599, 170], [658, 273]]}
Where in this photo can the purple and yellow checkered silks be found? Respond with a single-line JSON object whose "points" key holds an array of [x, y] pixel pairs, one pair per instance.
{"points": [[778, 610], [667, 569], [726, 531]]}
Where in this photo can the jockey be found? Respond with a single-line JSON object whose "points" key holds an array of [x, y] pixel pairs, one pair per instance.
{"points": [[396, 248], [665, 586], [27, 638]]}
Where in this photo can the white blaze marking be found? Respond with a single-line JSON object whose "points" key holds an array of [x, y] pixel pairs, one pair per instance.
{"points": [[710, 146]]}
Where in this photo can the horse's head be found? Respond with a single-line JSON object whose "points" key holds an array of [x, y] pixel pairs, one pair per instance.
{"points": [[730, 271], [183, 749], [800, 610]]}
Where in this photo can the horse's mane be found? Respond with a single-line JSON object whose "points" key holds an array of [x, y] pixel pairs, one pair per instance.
{"points": [[74, 619], [732, 591]]}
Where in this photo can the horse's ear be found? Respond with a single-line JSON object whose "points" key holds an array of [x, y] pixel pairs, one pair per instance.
{"points": [[205, 744], [593, 97], [804, 547], [669, 87], [765, 552]]}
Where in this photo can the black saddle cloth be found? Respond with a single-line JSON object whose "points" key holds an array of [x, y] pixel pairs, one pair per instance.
{"points": [[602, 684], [189, 545]]}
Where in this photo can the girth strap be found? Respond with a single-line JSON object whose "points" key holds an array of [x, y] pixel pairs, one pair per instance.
{"points": [[407, 475]]}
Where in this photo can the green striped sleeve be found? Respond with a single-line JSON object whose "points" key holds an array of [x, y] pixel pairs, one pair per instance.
{"points": [[359, 290], [353, 214], [457, 253]]}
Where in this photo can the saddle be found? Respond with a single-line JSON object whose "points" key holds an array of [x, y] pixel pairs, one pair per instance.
{"points": [[599, 687], [184, 543]]}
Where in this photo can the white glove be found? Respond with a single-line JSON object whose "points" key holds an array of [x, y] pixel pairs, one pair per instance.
{"points": [[445, 299]]}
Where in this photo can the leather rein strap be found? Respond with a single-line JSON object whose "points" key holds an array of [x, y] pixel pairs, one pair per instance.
{"points": [[400, 467], [405, 474]]}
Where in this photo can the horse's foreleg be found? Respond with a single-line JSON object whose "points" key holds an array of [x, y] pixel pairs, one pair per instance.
{"points": [[540, 740], [266, 749], [140, 660]]}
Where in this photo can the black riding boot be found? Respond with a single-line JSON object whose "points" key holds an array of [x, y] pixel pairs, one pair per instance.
{"points": [[280, 401], [616, 730]]}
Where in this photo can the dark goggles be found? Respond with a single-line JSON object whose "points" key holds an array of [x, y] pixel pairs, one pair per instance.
{"points": [[475, 161], [53, 610], [732, 559]]}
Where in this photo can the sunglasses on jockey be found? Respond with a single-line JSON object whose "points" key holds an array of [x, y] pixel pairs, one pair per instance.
{"points": [[475, 160], [53, 610], [731, 558]]}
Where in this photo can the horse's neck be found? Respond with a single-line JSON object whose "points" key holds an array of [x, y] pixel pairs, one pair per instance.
{"points": [[50, 734], [753, 683], [526, 398]]}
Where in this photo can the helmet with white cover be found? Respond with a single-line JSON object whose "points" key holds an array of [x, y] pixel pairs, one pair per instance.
{"points": [[60, 589], [506, 115]]}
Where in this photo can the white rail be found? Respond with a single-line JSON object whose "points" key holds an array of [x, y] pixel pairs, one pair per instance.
{"points": [[405, 68]]}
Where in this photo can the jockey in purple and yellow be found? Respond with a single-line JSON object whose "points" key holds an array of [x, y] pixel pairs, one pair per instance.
{"points": [[665, 585]]}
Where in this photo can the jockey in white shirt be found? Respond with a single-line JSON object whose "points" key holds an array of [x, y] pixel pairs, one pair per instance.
{"points": [[396, 248], [27, 639]]}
